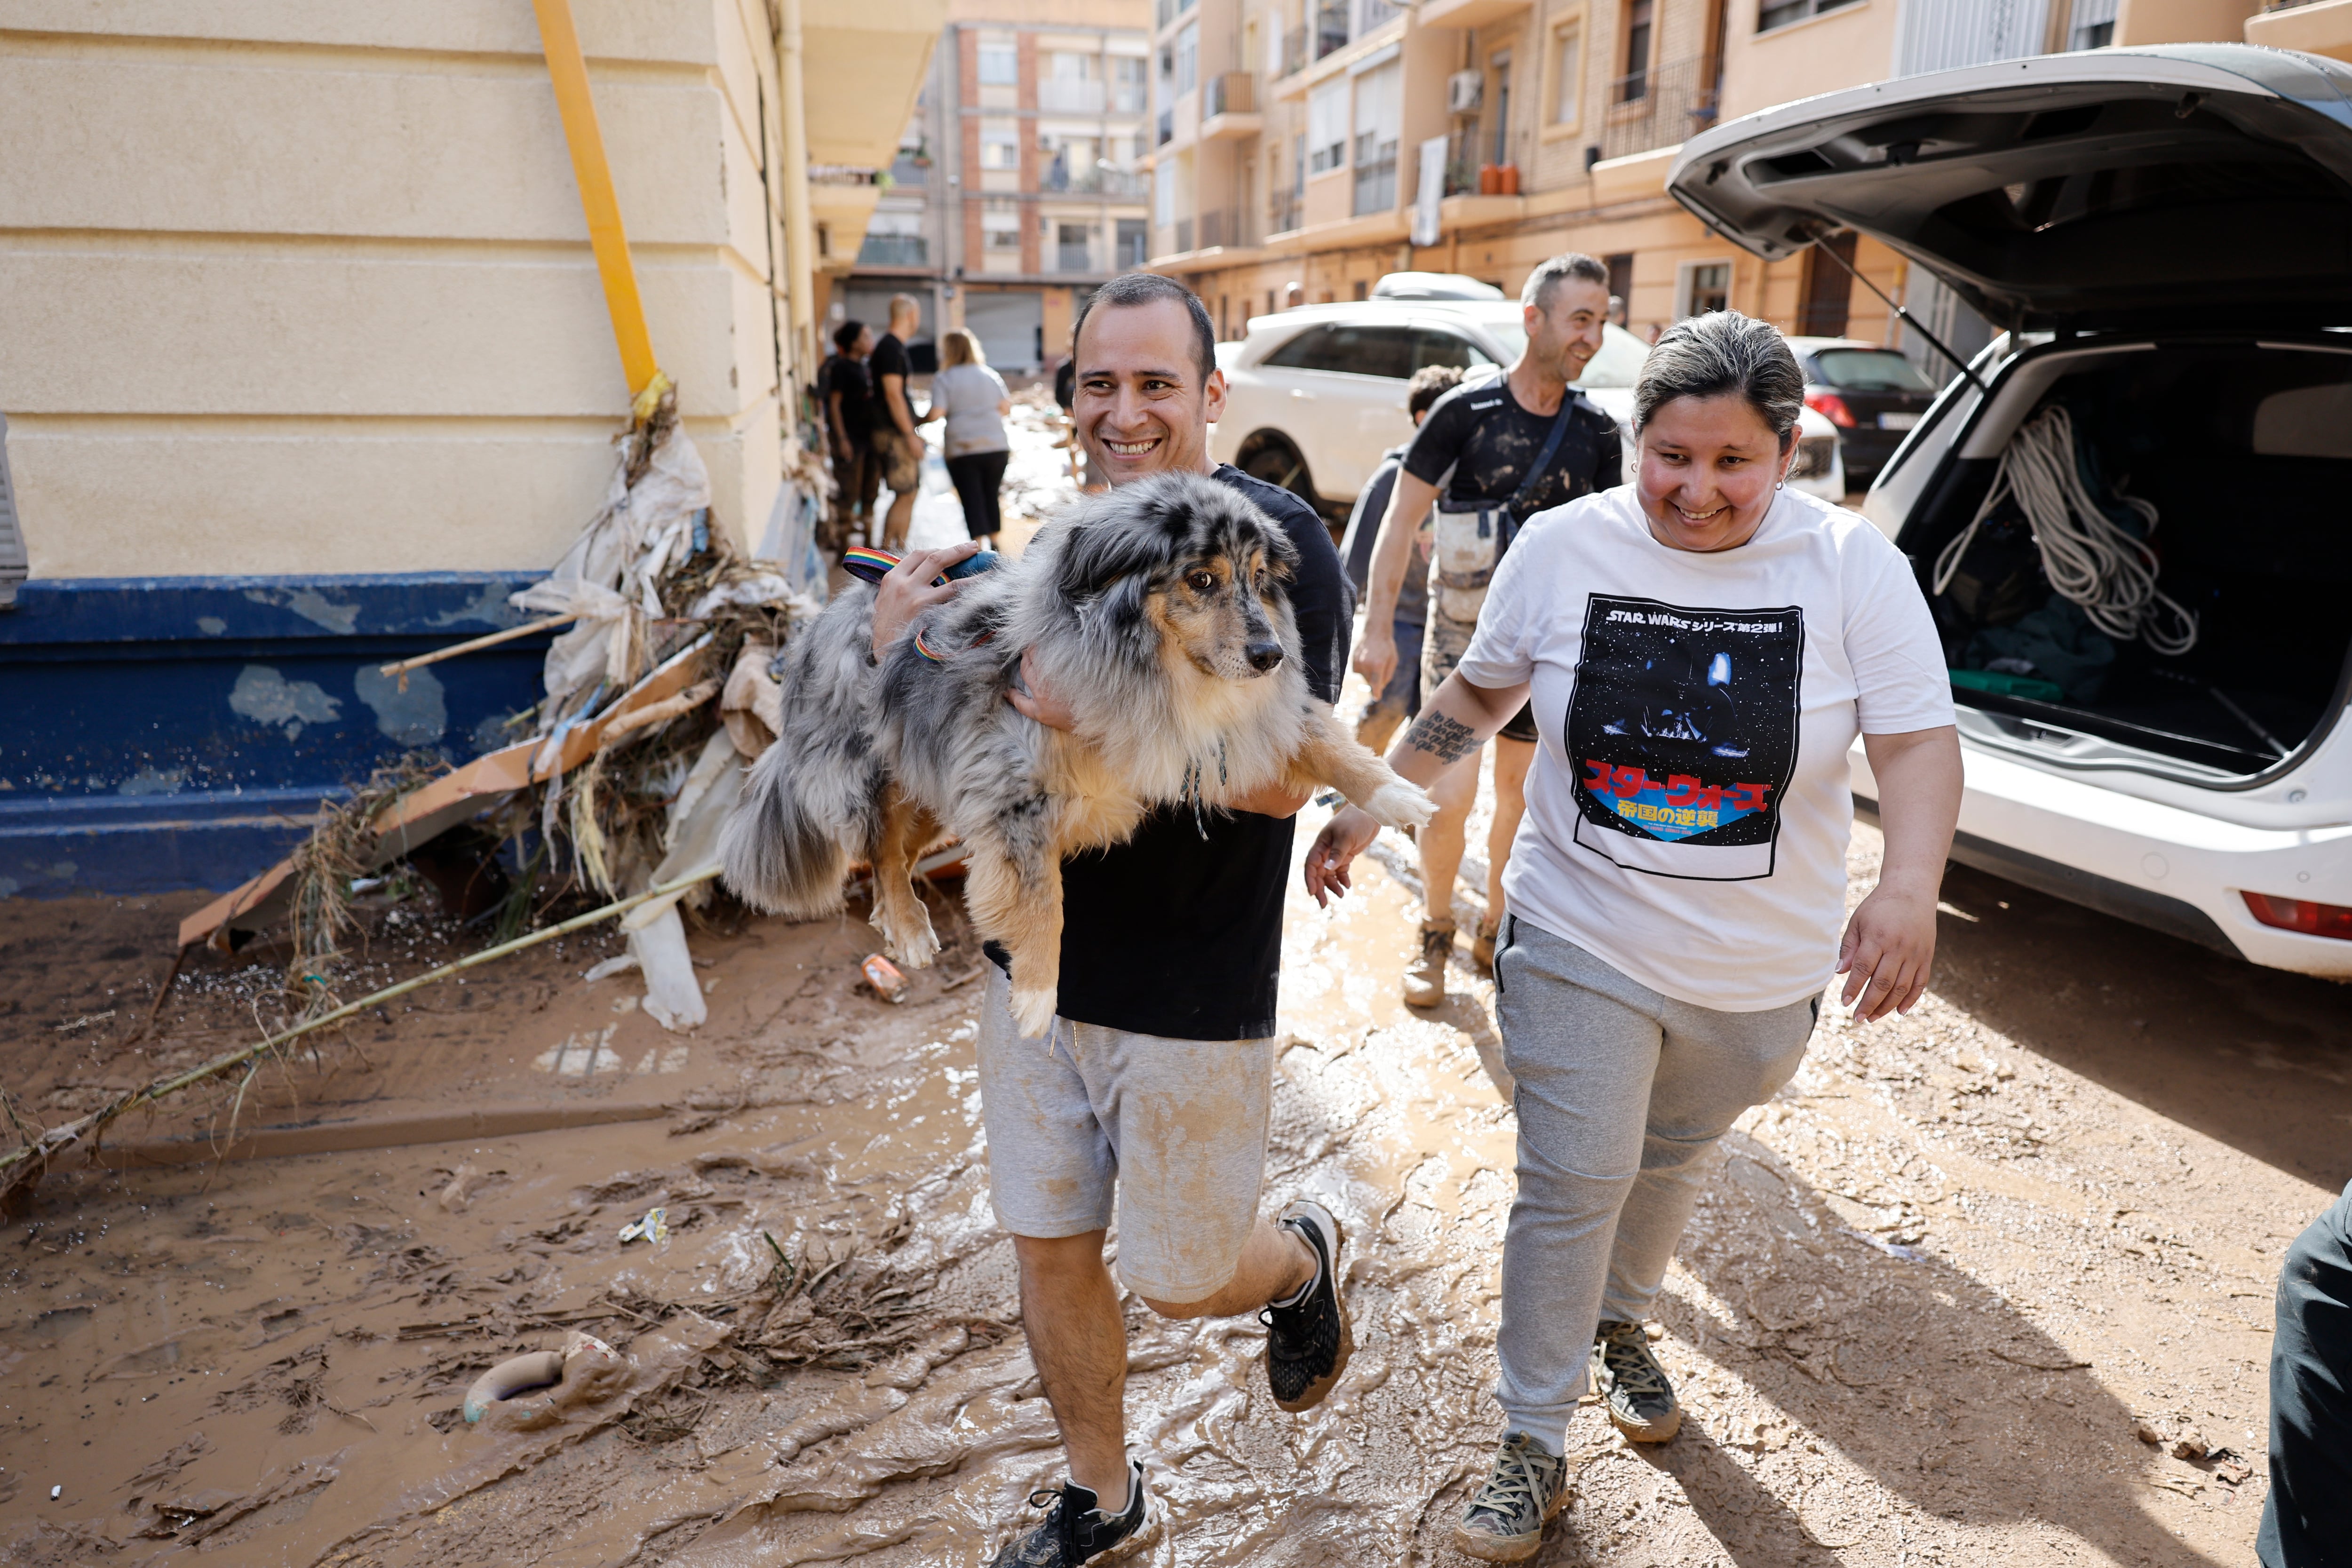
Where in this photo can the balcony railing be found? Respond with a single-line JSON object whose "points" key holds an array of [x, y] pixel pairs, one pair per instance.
{"points": [[1056, 97], [1330, 26], [1235, 93], [1227, 227], [1183, 228], [1127, 97], [1371, 14], [1169, 10], [1101, 180], [1282, 212], [1294, 51], [1068, 258], [1658, 108], [1376, 171], [894, 250]]}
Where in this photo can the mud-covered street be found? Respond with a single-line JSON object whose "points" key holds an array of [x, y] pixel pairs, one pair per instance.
{"points": [[1944, 1283]]}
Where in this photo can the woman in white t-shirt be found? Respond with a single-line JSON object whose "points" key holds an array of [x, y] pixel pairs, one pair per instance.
{"points": [[972, 400], [1702, 646]]}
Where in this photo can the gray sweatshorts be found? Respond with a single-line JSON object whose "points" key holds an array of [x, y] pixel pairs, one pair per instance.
{"points": [[1086, 1124]]}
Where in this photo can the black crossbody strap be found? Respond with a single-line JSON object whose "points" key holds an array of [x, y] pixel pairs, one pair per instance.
{"points": [[1534, 477]]}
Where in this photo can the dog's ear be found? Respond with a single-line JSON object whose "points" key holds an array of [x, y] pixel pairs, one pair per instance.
{"points": [[1119, 539]]}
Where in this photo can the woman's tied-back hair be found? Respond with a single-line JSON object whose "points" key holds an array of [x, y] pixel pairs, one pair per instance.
{"points": [[1723, 351], [958, 346], [844, 336]]}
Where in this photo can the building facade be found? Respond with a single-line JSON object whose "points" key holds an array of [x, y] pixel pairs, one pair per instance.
{"points": [[1018, 184], [1303, 148]]}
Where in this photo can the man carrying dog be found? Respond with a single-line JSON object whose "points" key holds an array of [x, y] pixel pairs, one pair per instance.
{"points": [[1149, 1097], [1514, 446]]}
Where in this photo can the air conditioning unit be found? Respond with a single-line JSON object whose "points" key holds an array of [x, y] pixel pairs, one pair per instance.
{"points": [[1465, 90]]}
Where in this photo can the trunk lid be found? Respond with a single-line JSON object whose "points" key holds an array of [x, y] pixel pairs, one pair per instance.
{"points": [[2106, 188]]}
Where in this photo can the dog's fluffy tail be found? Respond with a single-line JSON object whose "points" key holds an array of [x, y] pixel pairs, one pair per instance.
{"points": [[814, 799]]}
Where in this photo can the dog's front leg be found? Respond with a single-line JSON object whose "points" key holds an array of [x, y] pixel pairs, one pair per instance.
{"points": [[899, 911], [1014, 891], [1332, 756]]}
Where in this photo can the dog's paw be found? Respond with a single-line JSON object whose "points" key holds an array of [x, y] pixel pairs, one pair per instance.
{"points": [[1032, 1012], [1399, 804], [912, 942]]}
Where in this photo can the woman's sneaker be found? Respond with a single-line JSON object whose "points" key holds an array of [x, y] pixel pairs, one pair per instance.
{"points": [[1075, 1530], [1505, 1522], [1640, 1396], [1307, 1340]]}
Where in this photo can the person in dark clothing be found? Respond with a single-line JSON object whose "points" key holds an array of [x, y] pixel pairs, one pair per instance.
{"points": [[1401, 700], [2307, 1517], [890, 420], [1516, 444], [843, 389], [1150, 1097]]}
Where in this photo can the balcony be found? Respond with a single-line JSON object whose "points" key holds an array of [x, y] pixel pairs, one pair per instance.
{"points": [[1167, 11], [1128, 98], [1657, 109], [1100, 180], [1229, 107], [1229, 228], [1331, 33], [1057, 97], [1376, 175], [1285, 210], [1294, 51], [1467, 12], [1182, 228], [1374, 15], [894, 250]]}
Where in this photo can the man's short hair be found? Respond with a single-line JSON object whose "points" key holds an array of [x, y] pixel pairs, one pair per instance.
{"points": [[844, 336], [1429, 383], [1547, 274], [1143, 288], [907, 304]]}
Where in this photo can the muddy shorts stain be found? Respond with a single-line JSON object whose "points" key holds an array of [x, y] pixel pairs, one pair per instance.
{"points": [[1088, 1124]]}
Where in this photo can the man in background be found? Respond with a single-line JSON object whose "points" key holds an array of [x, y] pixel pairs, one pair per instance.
{"points": [[891, 420], [1401, 700], [1505, 447], [843, 389]]}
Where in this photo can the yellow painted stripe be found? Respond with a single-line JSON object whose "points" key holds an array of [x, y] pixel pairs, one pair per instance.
{"points": [[568, 68]]}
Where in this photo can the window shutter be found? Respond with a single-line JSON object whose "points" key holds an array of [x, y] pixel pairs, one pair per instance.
{"points": [[13, 561]]}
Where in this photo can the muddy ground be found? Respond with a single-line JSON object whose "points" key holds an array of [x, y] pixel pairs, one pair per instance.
{"points": [[1941, 1280]]}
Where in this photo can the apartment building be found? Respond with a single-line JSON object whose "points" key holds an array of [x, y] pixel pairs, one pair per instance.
{"points": [[1018, 185], [1303, 148]]}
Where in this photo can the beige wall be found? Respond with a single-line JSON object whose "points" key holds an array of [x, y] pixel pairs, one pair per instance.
{"points": [[2183, 21], [1840, 48], [311, 293]]}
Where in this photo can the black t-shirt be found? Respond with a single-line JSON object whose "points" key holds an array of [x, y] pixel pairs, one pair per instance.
{"points": [[1479, 431], [1175, 935], [888, 357], [846, 376]]}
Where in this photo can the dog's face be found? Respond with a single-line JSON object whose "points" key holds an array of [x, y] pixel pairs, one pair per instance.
{"points": [[1193, 561]]}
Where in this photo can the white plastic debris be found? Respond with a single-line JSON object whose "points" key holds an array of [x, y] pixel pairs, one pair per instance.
{"points": [[673, 994], [620, 963]]}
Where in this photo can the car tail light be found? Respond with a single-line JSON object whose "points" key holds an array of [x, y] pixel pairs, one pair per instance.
{"points": [[2301, 914], [1830, 406]]}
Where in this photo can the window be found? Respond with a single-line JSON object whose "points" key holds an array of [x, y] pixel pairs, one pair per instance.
{"points": [[1327, 126], [2091, 25], [999, 228], [1567, 74], [1073, 242], [1070, 83], [1780, 12], [1501, 67], [1620, 286], [1350, 351], [1000, 64], [1188, 57], [1701, 287], [1871, 370], [1000, 144], [1134, 243], [1432, 347], [1633, 74], [1380, 112], [1126, 84]]}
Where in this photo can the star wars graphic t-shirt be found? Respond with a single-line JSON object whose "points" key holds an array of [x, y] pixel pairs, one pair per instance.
{"points": [[1688, 812]]}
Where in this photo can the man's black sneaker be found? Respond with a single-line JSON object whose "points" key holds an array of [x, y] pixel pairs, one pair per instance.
{"points": [[1075, 1530], [1308, 1342], [1640, 1396]]}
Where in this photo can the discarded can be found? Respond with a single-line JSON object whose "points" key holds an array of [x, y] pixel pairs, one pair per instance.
{"points": [[882, 975], [654, 1226]]}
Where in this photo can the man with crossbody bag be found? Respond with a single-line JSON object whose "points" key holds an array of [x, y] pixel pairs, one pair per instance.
{"points": [[1502, 450]]}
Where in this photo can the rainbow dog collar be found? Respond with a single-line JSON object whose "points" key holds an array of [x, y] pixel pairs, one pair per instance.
{"points": [[871, 565]]}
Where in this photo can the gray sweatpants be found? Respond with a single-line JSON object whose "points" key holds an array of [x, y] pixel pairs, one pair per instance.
{"points": [[1621, 1095]]}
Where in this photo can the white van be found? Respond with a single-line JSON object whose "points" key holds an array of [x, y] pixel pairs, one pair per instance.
{"points": [[2166, 234]]}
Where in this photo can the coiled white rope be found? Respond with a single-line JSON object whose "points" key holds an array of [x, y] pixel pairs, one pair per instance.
{"points": [[2087, 558]]}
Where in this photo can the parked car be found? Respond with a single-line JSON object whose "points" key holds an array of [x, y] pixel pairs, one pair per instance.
{"points": [[1873, 395], [1316, 394], [2166, 235]]}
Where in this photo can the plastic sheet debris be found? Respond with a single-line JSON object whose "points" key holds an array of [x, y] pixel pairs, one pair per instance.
{"points": [[888, 982], [673, 994], [654, 1227], [620, 963]]}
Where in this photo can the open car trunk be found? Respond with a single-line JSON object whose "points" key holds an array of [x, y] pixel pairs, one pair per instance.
{"points": [[2245, 449]]}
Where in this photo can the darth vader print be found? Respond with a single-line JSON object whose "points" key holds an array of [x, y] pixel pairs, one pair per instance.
{"points": [[1682, 733]]}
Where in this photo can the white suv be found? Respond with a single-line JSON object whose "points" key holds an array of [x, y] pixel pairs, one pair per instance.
{"points": [[1316, 394], [2164, 232]]}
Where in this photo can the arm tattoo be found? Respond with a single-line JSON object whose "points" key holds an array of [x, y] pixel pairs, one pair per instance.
{"points": [[1447, 740]]}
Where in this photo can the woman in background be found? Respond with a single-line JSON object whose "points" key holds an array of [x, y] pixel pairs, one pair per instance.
{"points": [[972, 400]]}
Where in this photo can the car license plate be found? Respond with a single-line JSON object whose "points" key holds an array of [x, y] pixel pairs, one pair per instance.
{"points": [[1898, 421]]}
